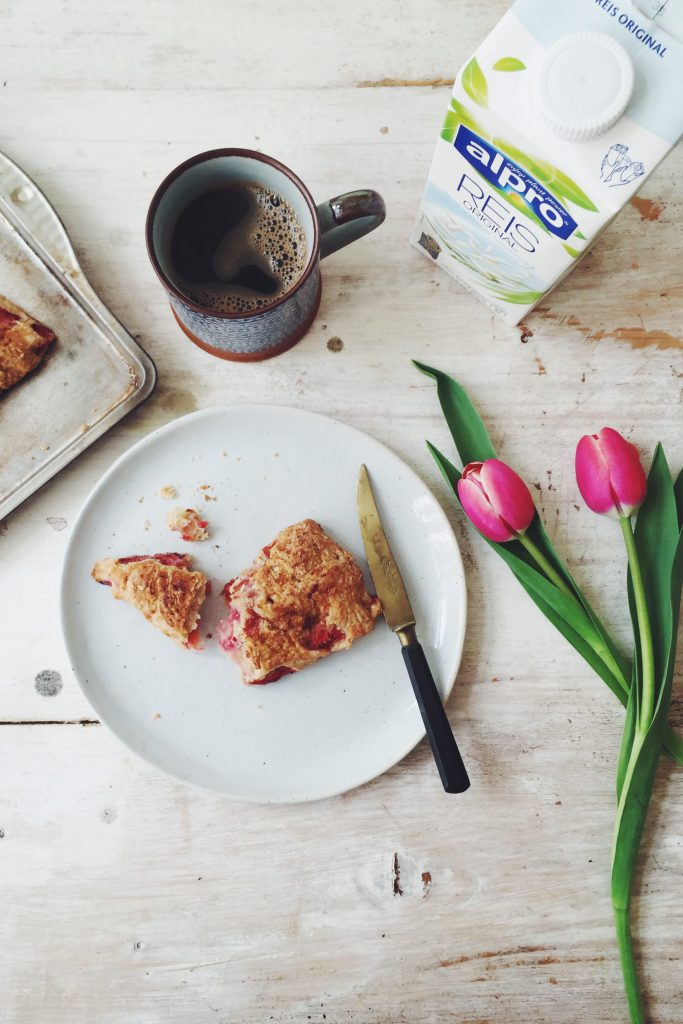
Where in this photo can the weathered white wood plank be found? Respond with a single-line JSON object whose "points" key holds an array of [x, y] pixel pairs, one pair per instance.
{"points": [[168, 44], [135, 900]]}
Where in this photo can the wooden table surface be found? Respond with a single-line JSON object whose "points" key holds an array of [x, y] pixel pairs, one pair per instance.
{"points": [[128, 898]]}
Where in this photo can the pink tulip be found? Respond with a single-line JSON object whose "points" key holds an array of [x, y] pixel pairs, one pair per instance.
{"points": [[496, 500], [609, 474]]}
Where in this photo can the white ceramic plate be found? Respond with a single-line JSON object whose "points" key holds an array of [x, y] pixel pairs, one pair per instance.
{"points": [[314, 734]]}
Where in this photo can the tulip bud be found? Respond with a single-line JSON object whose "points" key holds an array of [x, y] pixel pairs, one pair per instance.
{"points": [[609, 474], [496, 500]]}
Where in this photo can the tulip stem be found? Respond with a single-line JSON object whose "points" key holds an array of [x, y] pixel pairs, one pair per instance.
{"points": [[647, 694], [628, 965], [540, 559]]}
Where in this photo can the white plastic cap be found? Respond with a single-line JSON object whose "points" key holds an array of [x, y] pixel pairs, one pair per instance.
{"points": [[583, 86]]}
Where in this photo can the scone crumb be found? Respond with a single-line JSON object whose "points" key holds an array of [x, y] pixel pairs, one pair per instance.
{"points": [[188, 523], [168, 491], [156, 715], [147, 524]]}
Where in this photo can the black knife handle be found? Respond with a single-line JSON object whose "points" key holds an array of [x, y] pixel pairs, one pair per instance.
{"points": [[446, 754]]}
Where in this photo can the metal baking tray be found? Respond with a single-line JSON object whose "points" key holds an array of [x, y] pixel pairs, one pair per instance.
{"points": [[93, 374]]}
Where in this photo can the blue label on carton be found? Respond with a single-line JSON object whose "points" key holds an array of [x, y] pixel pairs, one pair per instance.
{"points": [[508, 177]]}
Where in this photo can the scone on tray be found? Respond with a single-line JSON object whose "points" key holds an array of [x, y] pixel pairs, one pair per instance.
{"points": [[23, 343]]}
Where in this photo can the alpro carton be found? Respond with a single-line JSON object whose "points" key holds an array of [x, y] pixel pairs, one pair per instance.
{"points": [[553, 125]]}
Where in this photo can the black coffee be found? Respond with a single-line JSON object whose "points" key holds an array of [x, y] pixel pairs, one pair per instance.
{"points": [[237, 248]]}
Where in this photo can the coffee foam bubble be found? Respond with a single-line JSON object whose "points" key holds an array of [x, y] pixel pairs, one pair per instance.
{"points": [[272, 229]]}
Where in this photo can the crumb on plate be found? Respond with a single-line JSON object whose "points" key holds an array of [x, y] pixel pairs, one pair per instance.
{"points": [[188, 523], [168, 491]]}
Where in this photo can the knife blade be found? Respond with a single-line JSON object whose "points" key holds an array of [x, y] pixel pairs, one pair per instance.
{"points": [[400, 618]]}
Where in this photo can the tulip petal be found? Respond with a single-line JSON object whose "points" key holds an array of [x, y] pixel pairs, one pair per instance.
{"points": [[480, 511], [593, 475], [627, 475], [508, 494]]}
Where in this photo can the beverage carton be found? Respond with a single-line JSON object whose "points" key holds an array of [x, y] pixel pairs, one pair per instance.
{"points": [[553, 125]]}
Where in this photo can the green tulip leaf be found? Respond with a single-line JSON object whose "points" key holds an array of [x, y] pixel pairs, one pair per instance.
{"points": [[466, 426], [629, 730], [678, 494], [474, 83], [509, 64], [656, 536]]}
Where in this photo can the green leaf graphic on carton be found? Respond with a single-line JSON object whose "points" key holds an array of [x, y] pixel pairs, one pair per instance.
{"points": [[474, 83], [466, 117], [456, 115], [574, 253], [519, 298], [552, 177], [509, 64]]}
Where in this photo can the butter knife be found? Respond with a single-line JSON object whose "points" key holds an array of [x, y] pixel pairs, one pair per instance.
{"points": [[401, 620]]}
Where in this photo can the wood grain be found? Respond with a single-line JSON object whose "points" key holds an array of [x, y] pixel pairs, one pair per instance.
{"points": [[130, 899]]}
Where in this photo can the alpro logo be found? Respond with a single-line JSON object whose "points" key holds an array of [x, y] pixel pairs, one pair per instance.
{"points": [[505, 174]]}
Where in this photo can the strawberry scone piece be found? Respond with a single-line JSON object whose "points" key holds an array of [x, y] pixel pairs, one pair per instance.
{"points": [[23, 343], [188, 523], [303, 598], [164, 587]]}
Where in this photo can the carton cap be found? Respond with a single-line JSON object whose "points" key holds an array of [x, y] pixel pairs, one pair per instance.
{"points": [[583, 86]]}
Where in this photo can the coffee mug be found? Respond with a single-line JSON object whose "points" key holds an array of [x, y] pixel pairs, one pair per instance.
{"points": [[276, 325]]}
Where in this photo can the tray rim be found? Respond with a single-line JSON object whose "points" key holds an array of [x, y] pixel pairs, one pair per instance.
{"points": [[62, 264]]}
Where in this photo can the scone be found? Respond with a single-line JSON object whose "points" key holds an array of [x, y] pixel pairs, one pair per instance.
{"points": [[163, 587], [23, 343], [303, 598]]}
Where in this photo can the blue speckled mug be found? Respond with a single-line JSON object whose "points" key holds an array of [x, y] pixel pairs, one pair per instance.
{"points": [[275, 327]]}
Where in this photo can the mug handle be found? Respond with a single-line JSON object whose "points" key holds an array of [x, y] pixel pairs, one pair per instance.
{"points": [[348, 217]]}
